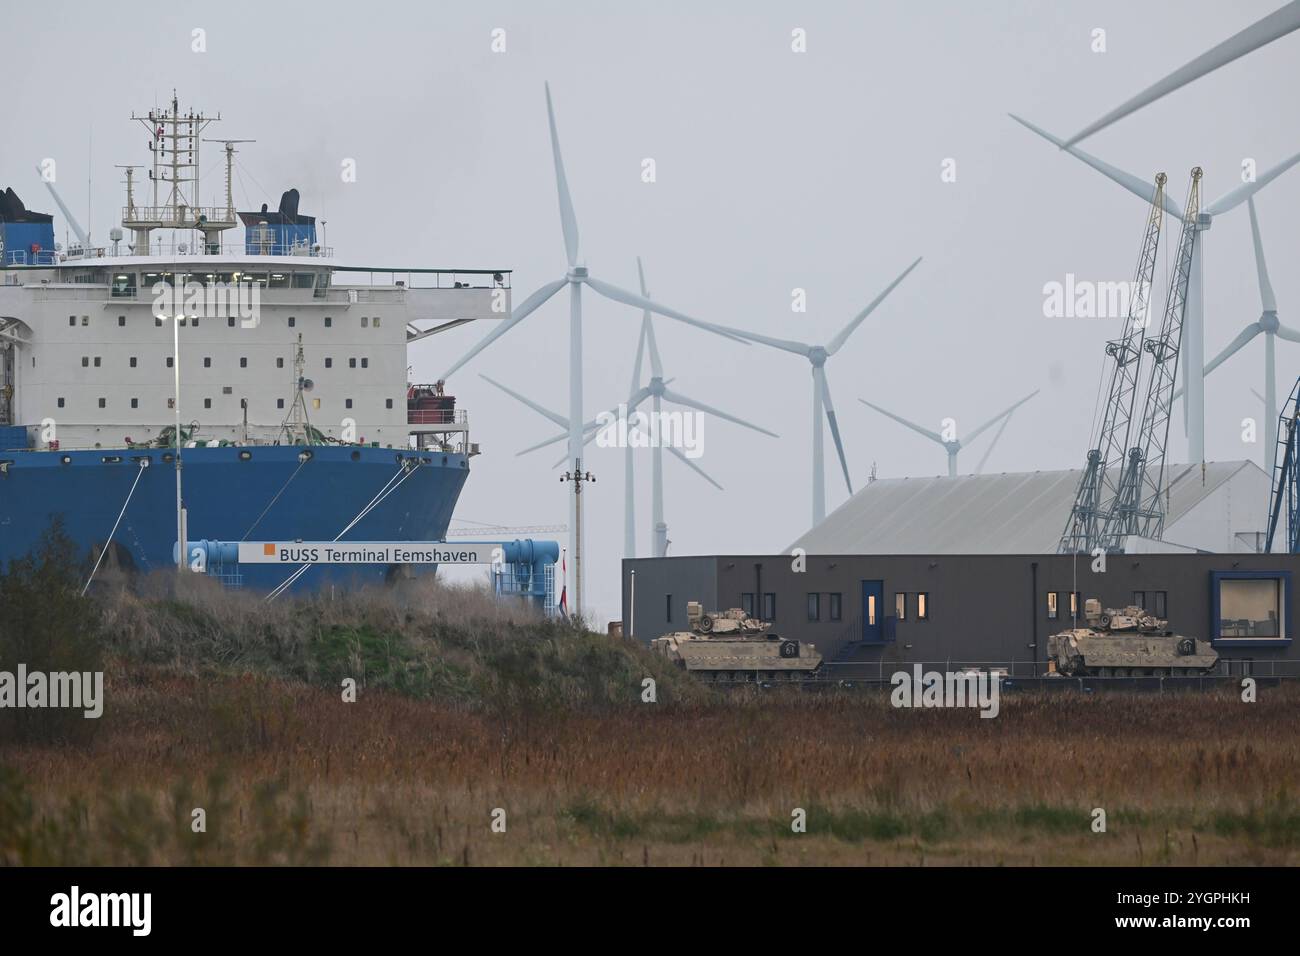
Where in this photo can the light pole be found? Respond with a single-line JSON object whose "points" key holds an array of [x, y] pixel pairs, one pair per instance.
{"points": [[579, 478], [176, 442]]}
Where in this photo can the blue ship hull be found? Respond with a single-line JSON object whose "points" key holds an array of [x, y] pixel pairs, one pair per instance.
{"points": [[255, 493]]}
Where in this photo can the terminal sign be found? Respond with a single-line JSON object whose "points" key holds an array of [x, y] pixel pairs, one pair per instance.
{"points": [[362, 552]]}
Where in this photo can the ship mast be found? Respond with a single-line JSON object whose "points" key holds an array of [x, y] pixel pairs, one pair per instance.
{"points": [[174, 143]]}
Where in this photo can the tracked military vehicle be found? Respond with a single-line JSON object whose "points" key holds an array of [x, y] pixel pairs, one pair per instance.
{"points": [[1127, 642], [731, 647]]}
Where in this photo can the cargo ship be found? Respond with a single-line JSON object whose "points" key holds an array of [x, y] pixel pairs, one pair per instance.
{"points": [[212, 373]]}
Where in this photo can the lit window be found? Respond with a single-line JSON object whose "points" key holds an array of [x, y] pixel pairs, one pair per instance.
{"points": [[315, 404], [922, 606], [1052, 612], [376, 321], [900, 605], [814, 607], [871, 610], [1074, 605]]}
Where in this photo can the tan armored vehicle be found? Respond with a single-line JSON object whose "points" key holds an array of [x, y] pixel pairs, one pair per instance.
{"points": [[1126, 642], [730, 647]]}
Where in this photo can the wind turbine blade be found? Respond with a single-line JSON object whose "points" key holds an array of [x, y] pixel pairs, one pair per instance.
{"points": [[656, 364], [839, 340], [1261, 267], [680, 456], [640, 271], [640, 353], [1246, 190], [1277, 24], [829, 409], [554, 417], [1288, 333], [1257, 395], [1005, 413], [1244, 336], [1006, 420], [568, 220], [517, 315], [680, 399], [616, 294], [1143, 188], [933, 436]]}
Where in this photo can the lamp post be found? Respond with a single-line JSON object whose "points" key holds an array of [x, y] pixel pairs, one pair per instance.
{"points": [[176, 442], [579, 478]]}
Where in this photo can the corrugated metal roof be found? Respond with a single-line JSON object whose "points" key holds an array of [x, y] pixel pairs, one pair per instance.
{"points": [[1010, 513]]}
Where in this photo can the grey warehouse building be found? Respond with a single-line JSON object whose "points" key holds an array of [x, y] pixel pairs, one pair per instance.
{"points": [[871, 596]]}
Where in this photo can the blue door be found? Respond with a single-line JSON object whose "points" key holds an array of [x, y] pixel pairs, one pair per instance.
{"points": [[873, 611]]}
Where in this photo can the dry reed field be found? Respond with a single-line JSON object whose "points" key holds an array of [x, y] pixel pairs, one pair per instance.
{"points": [[465, 708]]}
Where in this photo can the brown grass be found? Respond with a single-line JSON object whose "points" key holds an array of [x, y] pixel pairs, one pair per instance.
{"points": [[290, 773]]}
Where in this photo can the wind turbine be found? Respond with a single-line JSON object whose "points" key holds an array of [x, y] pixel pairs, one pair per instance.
{"points": [[575, 278], [953, 445], [658, 392], [1193, 344], [822, 406], [1277, 24], [1268, 324]]}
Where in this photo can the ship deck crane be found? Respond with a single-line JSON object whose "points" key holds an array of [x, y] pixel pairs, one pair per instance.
{"points": [[1099, 484], [1139, 503]]}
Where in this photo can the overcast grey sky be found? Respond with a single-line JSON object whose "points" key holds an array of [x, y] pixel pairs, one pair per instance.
{"points": [[775, 171]]}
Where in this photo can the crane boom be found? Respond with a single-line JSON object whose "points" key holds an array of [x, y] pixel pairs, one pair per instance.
{"points": [[1139, 506], [1099, 483]]}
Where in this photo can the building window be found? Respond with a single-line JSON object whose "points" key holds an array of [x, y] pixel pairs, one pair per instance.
{"points": [[365, 320], [365, 363], [328, 322], [85, 320], [227, 390], [352, 363], [747, 603], [1052, 611], [1074, 605], [72, 320], [170, 361], [315, 404], [900, 605], [836, 603], [135, 403], [814, 607], [103, 403], [769, 606], [243, 362], [1251, 605], [133, 361], [923, 606], [279, 403], [121, 321], [207, 403], [1160, 604], [347, 403], [668, 607], [85, 361], [207, 361], [230, 321], [388, 403], [376, 321], [60, 403], [329, 363], [1140, 599], [279, 363], [292, 321], [96, 361]]}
